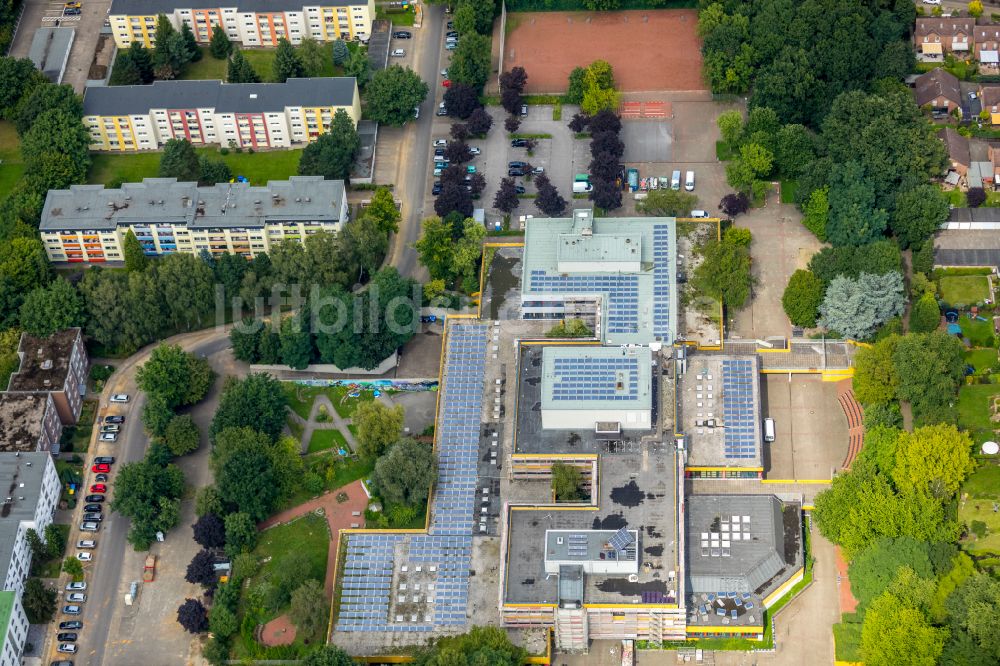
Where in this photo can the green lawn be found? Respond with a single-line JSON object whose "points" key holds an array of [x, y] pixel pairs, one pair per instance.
{"points": [[259, 167], [11, 166], [322, 440], [847, 639], [956, 197], [261, 60], [84, 426], [984, 483], [723, 152], [300, 398], [397, 18], [296, 428], [788, 190], [964, 289], [980, 333], [981, 511], [981, 359], [974, 407]]}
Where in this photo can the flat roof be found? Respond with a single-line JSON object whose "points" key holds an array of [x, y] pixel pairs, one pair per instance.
{"points": [[50, 50], [596, 378], [599, 249], [152, 7], [967, 247], [167, 201], [591, 545], [718, 410], [23, 475], [44, 361], [741, 543], [222, 97], [635, 491], [21, 416], [640, 307]]}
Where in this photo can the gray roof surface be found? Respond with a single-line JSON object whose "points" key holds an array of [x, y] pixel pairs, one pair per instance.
{"points": [[21, 416], [14, 471], [982, 214], [151, 7], [721, 557], [50, 49], [596, 378], [223, 97], [164, 200], [587, 545], [967, 247]]}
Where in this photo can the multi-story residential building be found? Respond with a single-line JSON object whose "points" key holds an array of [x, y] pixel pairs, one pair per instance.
{"points": [[88, 223], [936, 37], [29, 422], [28, 504], [247, 115], [987, 45], [249, 22], [56, 365]]}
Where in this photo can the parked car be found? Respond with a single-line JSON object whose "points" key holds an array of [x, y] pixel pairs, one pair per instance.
{"points": [[428, 319], [451, 33], [94, 498], [109, 437], [82, 585], [524, 109], [446, 83], [92, 507], [105, 460], [101, 478], [68, 637], [441, 112], [398, 53], [440, 143], [439, 152], [515, 172], [474, 150], [444, 72], [93, 516], [516, 164], [450, 46], [70, 625], [67, 648], [86, 543], [72, 609], [518, 143], [119, 397], [436, 189], [61, 662], [100, 468], [538, 170], [114, 418], [441, 164], [519, 189], [85, 556], [111, 427], [437, 172], [89, 526], [76, 597], [402, 34]]}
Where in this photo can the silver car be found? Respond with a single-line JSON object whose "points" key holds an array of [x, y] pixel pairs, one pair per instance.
{"points": [[76, 597], [89, 526]]}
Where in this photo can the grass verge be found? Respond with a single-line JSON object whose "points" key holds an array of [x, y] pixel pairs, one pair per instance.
{"points": [[258, 167], [964, 289], [11, 166]]}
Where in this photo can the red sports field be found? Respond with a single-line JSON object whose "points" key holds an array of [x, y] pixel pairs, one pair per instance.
{"points": [[649, 50]]}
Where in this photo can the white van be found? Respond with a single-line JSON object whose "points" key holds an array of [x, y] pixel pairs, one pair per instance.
{"points": [[768, 429], [699, 213], [675, 180], [689, 181], [579, 187]]}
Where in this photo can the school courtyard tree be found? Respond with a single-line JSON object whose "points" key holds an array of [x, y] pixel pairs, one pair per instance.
{"points": [[393, 93]]}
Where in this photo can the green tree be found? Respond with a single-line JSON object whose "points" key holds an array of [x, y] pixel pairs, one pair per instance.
{"points": [[18, 78], [220, 47], [39, 601], [875, 379], [170, 52], [930, 368], [180, 161], [328, 655], [73, 567], [182, 435], [470, 62], [570, 328], [340, 52], [133, 66], [394, 92], [816, 212], [566, 482], [246, 478], [180, 377], [802, 298], [207, 501], [57, 131], [212, 172], [404, 475], [919, 213], [296, 343], [256, 401], [221, 621], [731, 127], [332, 154], [378, 428], [925, 315], [574, 93], [312, 56], [241, 534], [667, 203], [856, 308], [382, 208], [239, 69], [975, 8], [974, 609], [724, 273], [45, 98], [854, 217], [286, 62], [935, 459], [135, 257], [148, 494], [55, 541], [896, 632], [309, 609], [53, 308], [465, 19], [481, 645], [35, 544], [187, 287], [193, 51], [875, 568]]}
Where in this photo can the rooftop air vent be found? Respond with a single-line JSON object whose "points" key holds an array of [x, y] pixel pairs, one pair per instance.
{"points": [[47, 364]]}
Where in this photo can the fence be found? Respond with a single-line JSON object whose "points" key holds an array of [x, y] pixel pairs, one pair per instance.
{"points": [[580, 5]]}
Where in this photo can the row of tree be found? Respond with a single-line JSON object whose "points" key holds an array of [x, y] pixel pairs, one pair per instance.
{"points": [[606, 151], [169, 57]]}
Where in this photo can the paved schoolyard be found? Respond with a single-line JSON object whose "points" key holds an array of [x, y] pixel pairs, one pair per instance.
{"points": [[648, 50], [811, 437]]}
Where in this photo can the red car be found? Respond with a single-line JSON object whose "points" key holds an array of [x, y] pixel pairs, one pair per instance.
{"points": [[446, 83], [98, 488], [101, 467]]}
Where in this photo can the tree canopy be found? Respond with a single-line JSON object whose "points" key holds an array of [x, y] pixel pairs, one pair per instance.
{"points": [[404, 475], [394, 92]]}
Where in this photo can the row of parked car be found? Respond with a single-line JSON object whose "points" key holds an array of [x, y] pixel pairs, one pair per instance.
{"points": [[93, 515]]}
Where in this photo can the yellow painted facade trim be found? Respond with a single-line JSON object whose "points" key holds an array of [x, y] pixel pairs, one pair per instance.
{"points": [[629, 607], [724, 469], [693, 632], [823, 481], [784, 588]]}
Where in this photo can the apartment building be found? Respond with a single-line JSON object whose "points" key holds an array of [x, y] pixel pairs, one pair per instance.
{"points": [[29, 504], [29, 422], [252, 23], [88, 223], [56, 365], [245, 115]]}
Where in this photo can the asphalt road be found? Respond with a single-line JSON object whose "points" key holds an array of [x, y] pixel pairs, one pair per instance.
{"points": [[416, 150], [104, 574]]}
